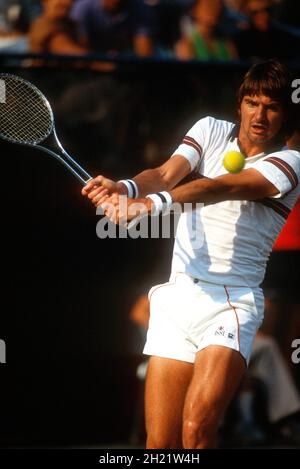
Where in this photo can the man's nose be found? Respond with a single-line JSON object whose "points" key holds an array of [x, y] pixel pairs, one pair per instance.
{"points": [[260, 115]]}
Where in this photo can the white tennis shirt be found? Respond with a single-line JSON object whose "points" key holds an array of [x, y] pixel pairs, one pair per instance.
{"points": [[229, 242]]}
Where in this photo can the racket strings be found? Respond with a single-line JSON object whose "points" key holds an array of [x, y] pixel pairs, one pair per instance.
{"points": [[25, 116]]}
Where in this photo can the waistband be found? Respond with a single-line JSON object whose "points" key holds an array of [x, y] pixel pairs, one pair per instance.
{"points": [[184, 278]]}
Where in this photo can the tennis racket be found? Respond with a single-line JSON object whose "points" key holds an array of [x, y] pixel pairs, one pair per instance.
{"points": [[26, 118]]}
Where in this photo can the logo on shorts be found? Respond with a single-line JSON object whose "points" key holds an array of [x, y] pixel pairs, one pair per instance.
{"points": [[220, 331]]}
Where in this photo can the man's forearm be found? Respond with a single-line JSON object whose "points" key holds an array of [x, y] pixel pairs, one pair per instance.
{"points": [[203, 190], [247, 185], [164, 177], [149, 181]]}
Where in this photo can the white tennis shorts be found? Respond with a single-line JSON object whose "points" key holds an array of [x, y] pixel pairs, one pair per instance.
{"points": [[187, 315]]}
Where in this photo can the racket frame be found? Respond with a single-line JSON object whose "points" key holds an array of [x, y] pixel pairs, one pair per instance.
{"points": [[75, 168]]}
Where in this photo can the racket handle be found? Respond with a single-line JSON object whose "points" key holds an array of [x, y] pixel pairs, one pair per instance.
{"points": [[84, 177], [73, 162]]}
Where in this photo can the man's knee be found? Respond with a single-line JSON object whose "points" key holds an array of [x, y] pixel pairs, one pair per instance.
{"points": [[200, 432]]}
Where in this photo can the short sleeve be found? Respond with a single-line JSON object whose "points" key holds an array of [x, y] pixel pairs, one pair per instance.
{"points": [[282, 169], [192, 145]]}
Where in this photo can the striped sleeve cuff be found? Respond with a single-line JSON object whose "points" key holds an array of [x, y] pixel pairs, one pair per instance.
{"points": [[191, 150], [285, 168], [279, 173]]}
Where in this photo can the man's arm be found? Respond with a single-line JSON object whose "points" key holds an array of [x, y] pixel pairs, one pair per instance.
{"points": [[249, 184], [162, 178]]}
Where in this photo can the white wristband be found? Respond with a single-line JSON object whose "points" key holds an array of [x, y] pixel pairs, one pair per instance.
{"points": [[162, 202], [132, 188]]}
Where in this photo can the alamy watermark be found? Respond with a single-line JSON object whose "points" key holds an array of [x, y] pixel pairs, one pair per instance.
{"points": [[296, 92], [2, 351], [296, 353], [142, 226]]}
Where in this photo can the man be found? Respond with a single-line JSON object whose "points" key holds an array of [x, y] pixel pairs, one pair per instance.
{"points": [[202, 38], [54, 32], [203, 321], [114, 26], [264, 34], [14, 23]]}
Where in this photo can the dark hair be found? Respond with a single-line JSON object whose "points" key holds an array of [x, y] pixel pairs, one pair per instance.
{"points": [[273, 79]]}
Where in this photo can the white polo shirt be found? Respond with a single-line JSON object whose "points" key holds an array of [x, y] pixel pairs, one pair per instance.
{"points": [[229, 242]]}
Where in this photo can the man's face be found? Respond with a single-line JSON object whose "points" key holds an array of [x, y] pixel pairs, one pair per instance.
{"points": [[207, 13], [260, 13], [261, 119]]}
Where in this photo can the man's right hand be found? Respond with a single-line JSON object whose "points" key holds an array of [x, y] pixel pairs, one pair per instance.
{"points": [[99, 188]]}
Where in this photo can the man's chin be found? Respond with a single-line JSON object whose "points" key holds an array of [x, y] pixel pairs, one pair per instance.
{"points": [[260, 138]]}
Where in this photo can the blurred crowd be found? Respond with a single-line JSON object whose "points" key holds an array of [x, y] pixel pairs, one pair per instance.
{"points": [[182, 29]]}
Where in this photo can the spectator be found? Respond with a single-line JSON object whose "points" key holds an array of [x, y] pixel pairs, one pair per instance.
{"points": [[166, 17], [14, 25], [201, 38], [54, 31], [4, 5], [114, 26], [264, 38]]}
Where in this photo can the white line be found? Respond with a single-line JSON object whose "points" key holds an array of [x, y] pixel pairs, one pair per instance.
{"points": [[2, 92]]}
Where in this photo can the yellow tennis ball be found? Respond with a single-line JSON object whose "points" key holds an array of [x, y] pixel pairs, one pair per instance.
{"points": [[233, 161]]}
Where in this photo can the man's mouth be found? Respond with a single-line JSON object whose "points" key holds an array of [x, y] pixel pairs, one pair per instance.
{"points": [[259, 128]]}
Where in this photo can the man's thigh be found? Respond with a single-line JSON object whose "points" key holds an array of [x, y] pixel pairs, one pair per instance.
{"points": [[218, 371], [166, 386]]}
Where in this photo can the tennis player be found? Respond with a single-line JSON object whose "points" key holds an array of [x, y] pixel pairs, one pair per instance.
{"points": [[203, 321]]}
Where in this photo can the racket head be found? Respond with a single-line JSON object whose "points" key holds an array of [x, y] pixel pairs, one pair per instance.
{"points": [[26, 116]]}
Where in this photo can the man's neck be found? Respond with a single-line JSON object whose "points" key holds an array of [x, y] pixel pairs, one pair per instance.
{"points": [[252, 149]]}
